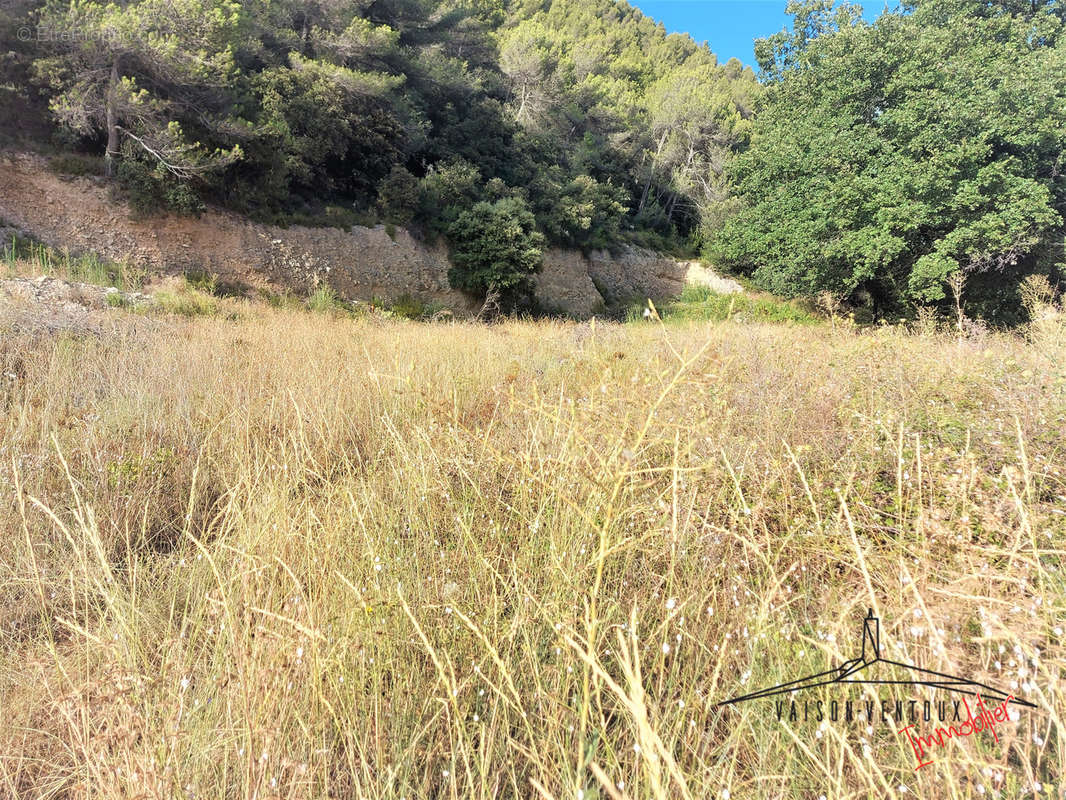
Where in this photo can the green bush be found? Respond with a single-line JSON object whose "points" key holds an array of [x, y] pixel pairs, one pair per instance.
{"points": [[152, 190], [323, 300], [494, 246], [398, 196], [409, 307], [878, 166], [585, 213], [445, 191], [202, 281]]}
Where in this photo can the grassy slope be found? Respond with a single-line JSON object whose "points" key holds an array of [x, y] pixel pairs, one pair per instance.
{"points": [[295, 554], [701, 304]]}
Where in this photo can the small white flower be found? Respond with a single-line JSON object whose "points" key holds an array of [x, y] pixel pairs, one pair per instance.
{"points": [[671, 602]]}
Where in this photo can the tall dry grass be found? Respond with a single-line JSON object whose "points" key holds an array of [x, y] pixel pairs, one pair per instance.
{"points": [[294, 556]]}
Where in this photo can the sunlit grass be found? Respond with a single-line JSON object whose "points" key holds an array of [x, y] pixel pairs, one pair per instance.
{"points": [[28, 258], [302, 555], [702, 304]]}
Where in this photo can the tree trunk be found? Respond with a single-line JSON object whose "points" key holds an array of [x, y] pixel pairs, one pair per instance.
{"points": [[111, 156], [651, 175]]}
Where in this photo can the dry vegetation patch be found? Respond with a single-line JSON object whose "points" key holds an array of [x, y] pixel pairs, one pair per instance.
{"points": [[300, 556]]}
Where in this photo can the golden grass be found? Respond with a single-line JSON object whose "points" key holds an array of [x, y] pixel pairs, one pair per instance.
{"points": [[297, 556]]}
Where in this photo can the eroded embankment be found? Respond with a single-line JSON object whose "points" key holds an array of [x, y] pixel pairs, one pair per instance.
{"points": [[359, 263]]}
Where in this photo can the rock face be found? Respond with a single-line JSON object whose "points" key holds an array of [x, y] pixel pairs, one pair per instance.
{"points": [[564, 284], [360, 263]]}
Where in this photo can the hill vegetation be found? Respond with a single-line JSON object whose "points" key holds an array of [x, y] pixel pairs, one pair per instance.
{"points": [[898, 162], [584, 113], [916, 160]]}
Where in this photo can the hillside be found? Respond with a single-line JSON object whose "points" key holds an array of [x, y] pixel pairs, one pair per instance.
{"points": [[397, 110], [506, 400], [382, 264], [912, 161]]}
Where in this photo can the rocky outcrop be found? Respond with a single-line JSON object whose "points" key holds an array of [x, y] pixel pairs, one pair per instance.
{"points": [[360, 263], [564, 284]]}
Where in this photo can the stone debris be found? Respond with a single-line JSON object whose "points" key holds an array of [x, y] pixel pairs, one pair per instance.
{"points": [[49, 305]]}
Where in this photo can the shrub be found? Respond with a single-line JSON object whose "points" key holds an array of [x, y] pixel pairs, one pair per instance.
{"points": [[446, 190], [202, 281], [152, 190], [398, 196], [585, 214], [409, 307], [494, 246], [323, 300]]}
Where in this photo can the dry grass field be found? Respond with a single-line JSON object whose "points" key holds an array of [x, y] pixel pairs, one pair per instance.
{"points": [[292, 555]]}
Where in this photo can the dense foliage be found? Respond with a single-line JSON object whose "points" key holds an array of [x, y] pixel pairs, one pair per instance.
{"points": [[496, 247], [412, 111], [910, 161], [891, 160]]}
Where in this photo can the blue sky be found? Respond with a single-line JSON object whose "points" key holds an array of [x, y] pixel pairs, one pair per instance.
{"points": [[728, 26]]}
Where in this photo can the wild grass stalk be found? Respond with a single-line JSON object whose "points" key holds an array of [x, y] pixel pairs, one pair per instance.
{"points": [[379, 559]]}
